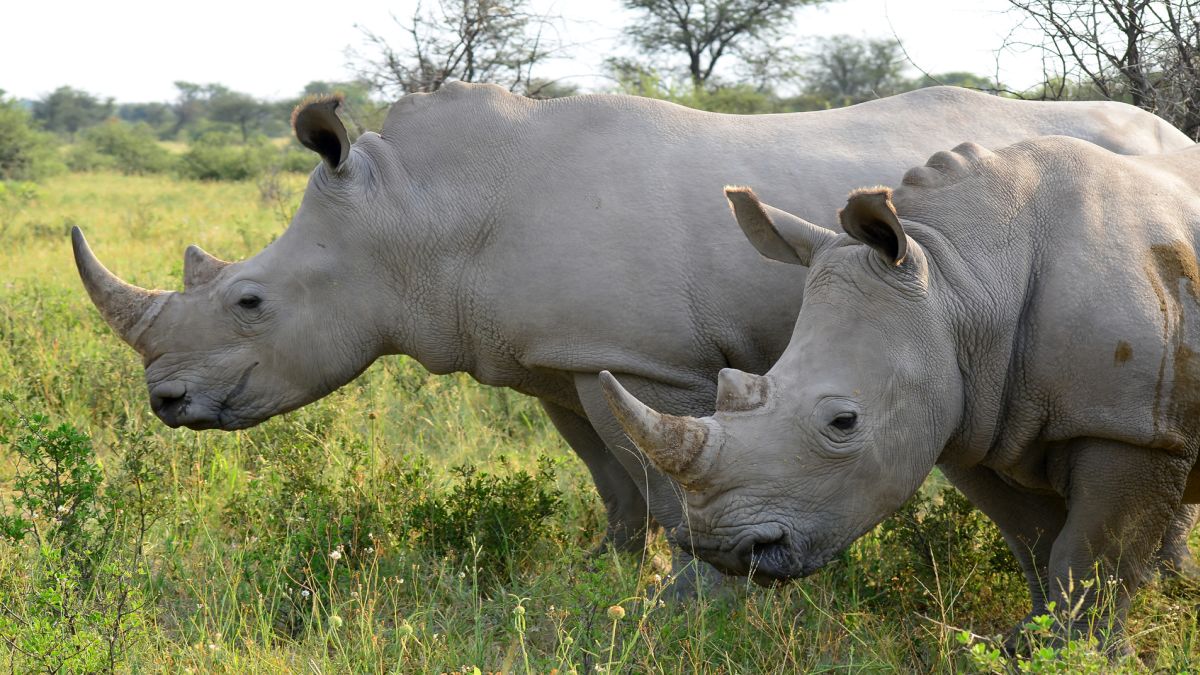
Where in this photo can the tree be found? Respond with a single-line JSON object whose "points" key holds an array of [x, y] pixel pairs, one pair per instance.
{"points": [[705, 31], [846, 70], [158, 115], [67, 110], [496, 41], [241, 110], [191, 105], [25, 152], [1145, 52]]}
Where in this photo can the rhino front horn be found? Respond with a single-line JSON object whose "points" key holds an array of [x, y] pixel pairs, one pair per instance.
{"points": [[682, 447], [128, 309]]}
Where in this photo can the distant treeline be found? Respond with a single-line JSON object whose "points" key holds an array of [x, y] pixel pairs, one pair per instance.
{"points": [[197, 110], [209, 132]]}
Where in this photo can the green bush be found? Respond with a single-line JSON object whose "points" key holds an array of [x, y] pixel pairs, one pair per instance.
{"points": [[488, 517], [25, 152], [128, 148], [937, 544], [210, 161], [297, 158], [72, 580]]}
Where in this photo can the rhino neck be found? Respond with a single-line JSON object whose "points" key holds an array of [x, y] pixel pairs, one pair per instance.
{"points": [[987, 280], [448, 157]]}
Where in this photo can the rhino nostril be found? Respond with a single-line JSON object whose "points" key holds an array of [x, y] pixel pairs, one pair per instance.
{"points": [[168, 397], [770, 556]]}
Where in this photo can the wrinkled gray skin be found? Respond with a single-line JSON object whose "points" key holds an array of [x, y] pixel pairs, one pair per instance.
{"points": [[533, 244], [1029, 323]]}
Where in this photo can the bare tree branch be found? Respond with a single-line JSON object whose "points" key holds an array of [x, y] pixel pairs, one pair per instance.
{"points": [[495, 41], [1144, 52]]}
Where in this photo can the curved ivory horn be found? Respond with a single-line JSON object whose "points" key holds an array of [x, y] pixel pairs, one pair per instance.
{"points": [[681, 447], [199, 267], [128, 309]]}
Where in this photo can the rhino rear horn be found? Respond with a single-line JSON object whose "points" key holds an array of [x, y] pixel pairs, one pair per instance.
{"points": [[682, 447], [740, 391], [199, 267], [128, 309], [319, 129]]}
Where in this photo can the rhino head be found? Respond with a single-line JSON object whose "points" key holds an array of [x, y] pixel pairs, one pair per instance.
{"points": [[244, 341], [796, 464]]}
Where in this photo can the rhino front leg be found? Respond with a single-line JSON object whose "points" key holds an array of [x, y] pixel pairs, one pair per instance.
{"points": [[664, 497], [628, 515], [1029, 521], [1121, 501], [1174, 557]]}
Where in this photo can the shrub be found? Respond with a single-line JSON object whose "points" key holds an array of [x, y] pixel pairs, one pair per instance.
{"points": [[493, 514], [296, 158], [73, 572], [25, 152], [128, 148], [209, 161], [936, 545]]}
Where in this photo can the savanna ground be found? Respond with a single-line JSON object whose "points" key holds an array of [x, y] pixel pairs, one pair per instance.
{"points": [[406, 523]]}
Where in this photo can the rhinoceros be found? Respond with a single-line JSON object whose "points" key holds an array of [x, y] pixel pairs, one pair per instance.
{"points": [[533, 244], [1027, 319]]}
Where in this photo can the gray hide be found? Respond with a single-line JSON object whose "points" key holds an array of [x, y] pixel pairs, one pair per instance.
{"points": [[1037, 341], [533, 244]]}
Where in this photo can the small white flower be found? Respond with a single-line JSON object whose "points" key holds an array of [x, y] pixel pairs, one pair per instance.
{"points": [[304, 593], [335, 554]]}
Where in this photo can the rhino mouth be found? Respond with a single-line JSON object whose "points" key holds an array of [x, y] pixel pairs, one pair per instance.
{"points": [[178, 403], [768, 555]]}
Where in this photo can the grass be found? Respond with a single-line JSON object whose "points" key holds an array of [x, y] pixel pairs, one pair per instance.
{"points": [[239, 574]]}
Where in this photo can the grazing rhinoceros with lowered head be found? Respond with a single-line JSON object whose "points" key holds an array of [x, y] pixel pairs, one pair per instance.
{"points": [[1028, 320], [533, 244]]}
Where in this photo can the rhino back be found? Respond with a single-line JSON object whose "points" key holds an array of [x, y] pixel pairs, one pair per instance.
{"points": [[607, 242], [1086, 268]]}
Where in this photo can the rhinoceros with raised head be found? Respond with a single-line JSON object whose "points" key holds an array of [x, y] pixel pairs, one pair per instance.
{"points": [[1028, 320], [533, 244]]}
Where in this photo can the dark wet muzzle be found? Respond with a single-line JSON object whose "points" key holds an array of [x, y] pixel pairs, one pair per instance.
{"points": [[766, 557], [176, 408]]}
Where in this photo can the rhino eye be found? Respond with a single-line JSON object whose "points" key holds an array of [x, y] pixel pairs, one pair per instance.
{"points": [[844, 421], [249, 302]]}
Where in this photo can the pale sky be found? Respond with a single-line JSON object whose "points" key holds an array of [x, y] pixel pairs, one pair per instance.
{"points": [[134, 50]]}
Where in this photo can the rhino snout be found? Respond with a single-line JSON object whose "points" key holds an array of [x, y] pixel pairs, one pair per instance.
{"points": [[176, 407], [766, 555]]}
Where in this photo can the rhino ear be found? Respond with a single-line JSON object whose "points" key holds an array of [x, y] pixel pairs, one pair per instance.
{"points": [[776, 234], [319, 129], [870, 217]]}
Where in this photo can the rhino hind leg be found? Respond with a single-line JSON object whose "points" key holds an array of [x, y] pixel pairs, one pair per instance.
{"points": [[629, 520], [1174, 558]]}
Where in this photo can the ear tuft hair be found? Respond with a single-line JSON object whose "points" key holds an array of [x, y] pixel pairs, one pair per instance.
{"points": [[313, 99]]}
